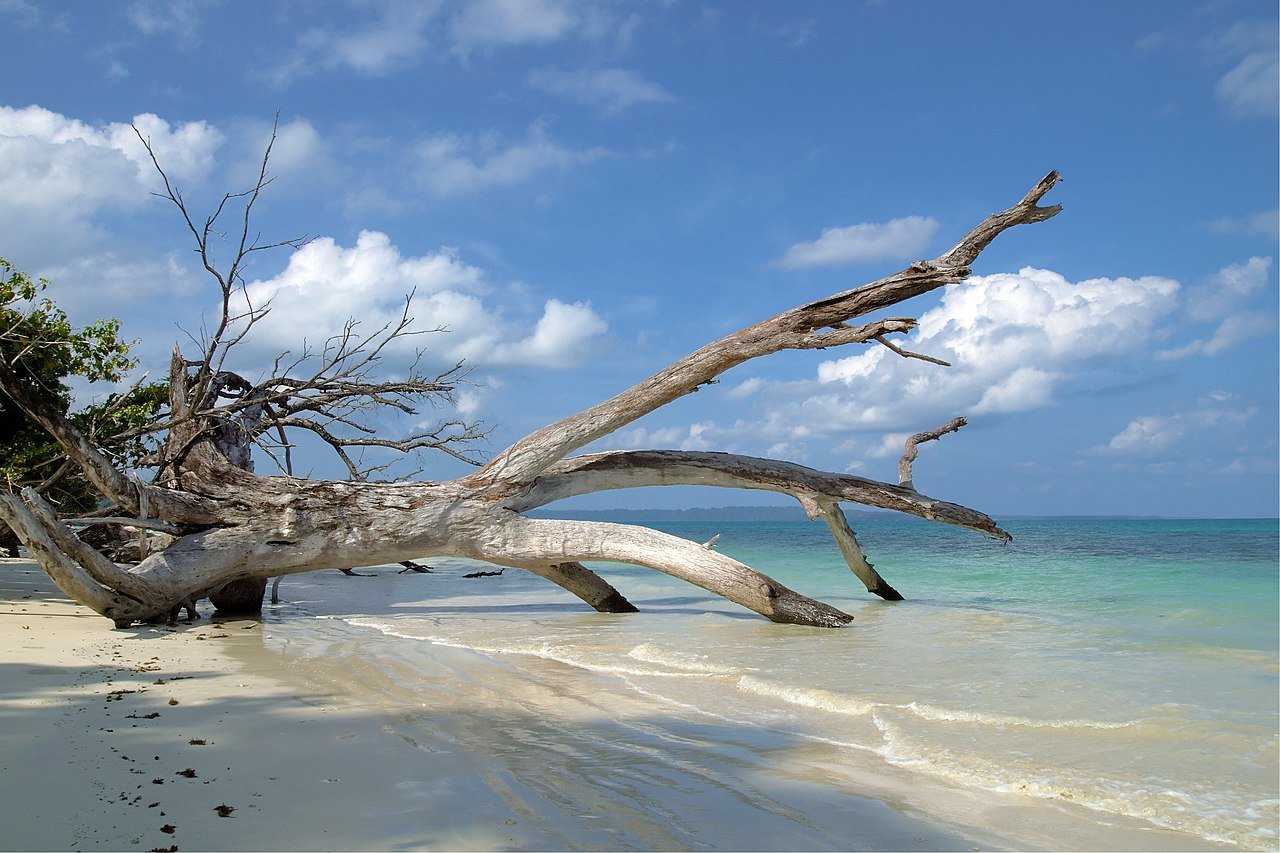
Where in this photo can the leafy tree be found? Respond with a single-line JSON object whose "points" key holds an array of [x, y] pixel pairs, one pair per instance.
{"points": [[47, 352]]}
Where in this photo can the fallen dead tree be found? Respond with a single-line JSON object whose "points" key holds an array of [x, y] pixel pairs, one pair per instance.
{"points": [[212, 520]]}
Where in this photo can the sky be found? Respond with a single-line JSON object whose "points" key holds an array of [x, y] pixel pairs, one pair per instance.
{"points": [[578, 193]]}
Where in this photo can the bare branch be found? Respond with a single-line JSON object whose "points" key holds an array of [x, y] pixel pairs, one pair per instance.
{"points": [[908, 354], [794, 329], [627, 469], [910, 451]]}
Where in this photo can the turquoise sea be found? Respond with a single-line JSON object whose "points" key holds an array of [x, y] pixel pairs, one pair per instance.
{"points": [[1127, 667]]}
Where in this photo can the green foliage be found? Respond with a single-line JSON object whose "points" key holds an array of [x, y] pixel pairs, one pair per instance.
{"points": [[45, 350]]}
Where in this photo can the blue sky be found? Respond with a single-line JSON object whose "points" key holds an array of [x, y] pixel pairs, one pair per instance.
{"points": [[582, 192]]}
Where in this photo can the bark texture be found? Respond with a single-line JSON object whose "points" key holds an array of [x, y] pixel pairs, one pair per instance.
{"points": [[226, 526]]}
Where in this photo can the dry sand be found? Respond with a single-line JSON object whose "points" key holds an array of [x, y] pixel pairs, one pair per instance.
{"points": [[192, 738]]}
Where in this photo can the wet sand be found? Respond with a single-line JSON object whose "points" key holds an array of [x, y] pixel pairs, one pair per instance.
{"points": [[196, 737], [220, 735]]}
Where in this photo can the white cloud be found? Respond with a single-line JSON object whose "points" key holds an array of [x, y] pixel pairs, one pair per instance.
{"points": [[1233, 330], [614, 89], [890, 444], [703, 435], [299, 153], [1146, 434], [1239, 280], [565, 335], [1225, 298], [1252, 88], [325, 283], [747, 388], [1011, 338], [57, 173], [20, 12], [451, 165], [1263, 224], [897, 239], [1209, 423], [486, 23], [151, 17], [1025, 388], [394, 36]]}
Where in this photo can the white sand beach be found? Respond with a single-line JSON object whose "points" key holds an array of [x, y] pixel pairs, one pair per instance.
{"points": [[137, 739]]}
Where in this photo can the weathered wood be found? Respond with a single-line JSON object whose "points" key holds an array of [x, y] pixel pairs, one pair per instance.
{"points": [[231, 528], [851, 550], [912, 449]]}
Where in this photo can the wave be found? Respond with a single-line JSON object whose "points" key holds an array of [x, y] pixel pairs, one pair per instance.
{"points": [[1211, 813], [651, 653], [935, 714], [836, 703]]}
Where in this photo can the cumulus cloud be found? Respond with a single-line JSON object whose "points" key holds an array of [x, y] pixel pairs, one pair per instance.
{"points": [[613, 89], [1012, 340], [565, 335], [326, 283], [451, 165], [897, 239], [56, 172]]}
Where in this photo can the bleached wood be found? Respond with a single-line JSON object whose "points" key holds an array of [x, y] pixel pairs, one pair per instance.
{"points": [[629, 469], [231, 524], [911, 449]]}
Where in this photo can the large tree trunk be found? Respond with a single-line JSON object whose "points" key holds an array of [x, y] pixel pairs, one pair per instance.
{"points": [[233, 528]]}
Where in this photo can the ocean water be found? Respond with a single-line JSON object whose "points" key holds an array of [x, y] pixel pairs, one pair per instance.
{"points": [[1127, 667]]}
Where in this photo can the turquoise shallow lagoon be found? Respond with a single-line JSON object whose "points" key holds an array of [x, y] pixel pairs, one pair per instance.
{"points": [[1125, 669]]}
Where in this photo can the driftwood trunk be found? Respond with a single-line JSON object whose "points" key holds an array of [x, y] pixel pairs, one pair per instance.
{"points": [[233, 527]]}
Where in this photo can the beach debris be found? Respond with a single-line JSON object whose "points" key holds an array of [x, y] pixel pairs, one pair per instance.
{"points": [[224, 810], [483, 574], [212, 511], [411, 566], [173, 702], [188, 773], [197, 741], [172, 848], [169, 829]]}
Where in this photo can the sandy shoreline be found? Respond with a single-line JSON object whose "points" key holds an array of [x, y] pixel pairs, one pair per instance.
{"points": [[103, 730], [100, 726]]}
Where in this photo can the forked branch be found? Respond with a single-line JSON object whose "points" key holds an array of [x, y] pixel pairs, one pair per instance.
{"points": [[815, 325]]}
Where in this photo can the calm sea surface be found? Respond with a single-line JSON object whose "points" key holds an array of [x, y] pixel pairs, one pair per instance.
{"points": [[1129, 666]]}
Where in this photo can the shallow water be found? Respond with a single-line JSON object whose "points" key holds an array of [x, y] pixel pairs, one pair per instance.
{"points": [[1129, 667]]}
